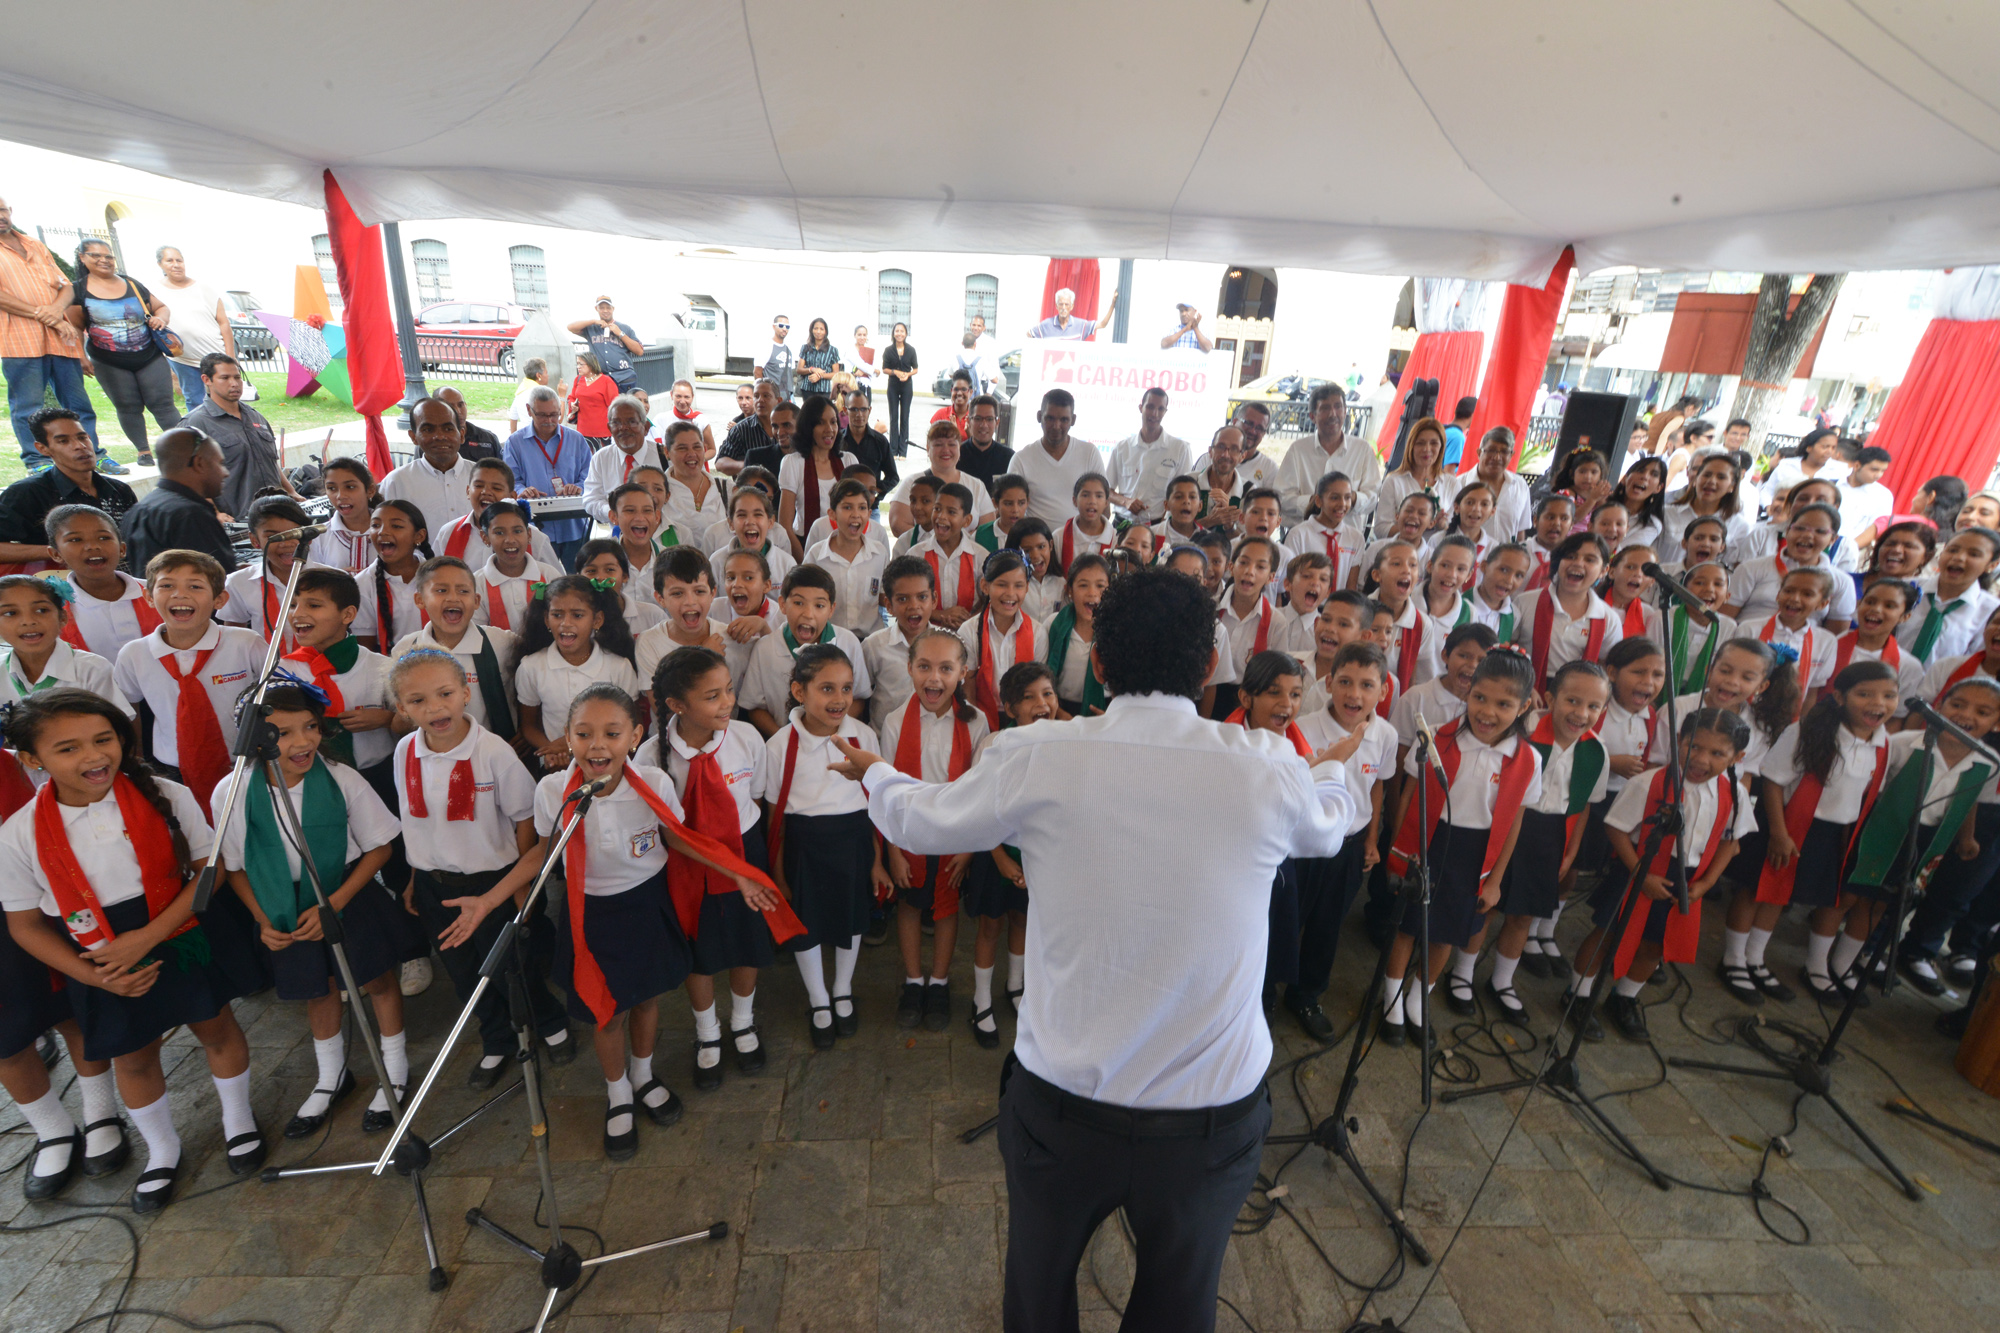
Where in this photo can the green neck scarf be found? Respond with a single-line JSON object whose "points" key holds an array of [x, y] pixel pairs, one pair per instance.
{"points": [[1900, 806], [1586, 764], [985, 536], [1934, 618], [336, 741], [1060, 630], [792, 643], [47, 682], [1690, 676], [492, 689], [323, 811]]}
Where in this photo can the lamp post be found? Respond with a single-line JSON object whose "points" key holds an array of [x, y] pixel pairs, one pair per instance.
{"points": [[406, 324], [1121, 318]]}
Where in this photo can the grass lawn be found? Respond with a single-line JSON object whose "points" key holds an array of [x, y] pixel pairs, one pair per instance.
{"points": [[483, 398]]}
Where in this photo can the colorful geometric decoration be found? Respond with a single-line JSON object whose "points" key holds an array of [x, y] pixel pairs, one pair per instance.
{"points": [[315, 347]]}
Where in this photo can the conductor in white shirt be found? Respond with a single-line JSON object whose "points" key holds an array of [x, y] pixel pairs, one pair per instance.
{"points": [[1142, 1044]]}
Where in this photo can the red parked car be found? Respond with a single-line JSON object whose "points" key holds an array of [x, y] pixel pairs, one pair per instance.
{"points": [[469, 333]]}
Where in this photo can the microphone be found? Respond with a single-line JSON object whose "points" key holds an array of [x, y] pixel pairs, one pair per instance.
{"points": [[304, 534], [1431, 751], [594, 787], [1672, 587], [1936, 721]]}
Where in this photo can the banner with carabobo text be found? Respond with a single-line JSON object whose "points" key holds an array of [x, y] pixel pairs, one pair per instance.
{"points": [[1107, 380]]}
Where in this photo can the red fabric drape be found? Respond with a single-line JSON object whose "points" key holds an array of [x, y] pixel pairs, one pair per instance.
{"points": [[1452, 359], [1520, 354], [1940, 419], [374, 363], [1080, 276]]}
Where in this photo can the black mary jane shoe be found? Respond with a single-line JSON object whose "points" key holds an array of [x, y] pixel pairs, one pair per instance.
{"points": [[1741, 983], [988, 1040], [375, 1122], [1458, 997], [1512, 1010], [621, 1147], [667, 1112], [562, 1052], [146, 1201], [1014, 1002], [1922, 973], [47, 1187], [849, 1023], [1767, 981], [752, 1060], [105, 1163], [1852, 984], [1823, 991], [246, 1163], [822, 1037], [481, 1077], [1559, 968], [707, 1078], [1393, 1033], [305, 1126], [1575, 1017], [1535, 963]]}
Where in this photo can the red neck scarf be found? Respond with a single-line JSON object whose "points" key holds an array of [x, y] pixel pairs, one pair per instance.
{"points": [[496, 607], [204, 754], [1965, 670], [1332, 538], [458, 806], [808, 486], [1805, 647], [986, 686], [910, 760], [1515, 771], [587, 977], [1683, 933], [1775, 884], [1263, 637], [1292, 734], [271, 601], [1408, 645], [1538, 577], [324, 675], [458, 537], [1544, 634], [1844, 646], [15, 788], [149, 620], [1069, 542], [966, 577], [1635, 619], [1389, 697], [152, 842]]}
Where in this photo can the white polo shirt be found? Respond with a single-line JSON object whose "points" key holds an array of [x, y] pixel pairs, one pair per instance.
{"points": [[103, 848], [107, 627], [515, 593], [370, 823], [403, 612], [504, 642], [502, 795], [857, 599], [440, 495], [623, 844], [935, 739], [66, 666], [1703, 803], [887, 654], [768, 682], [544, 680], [816, 789], [237, 657], [1372, 761], [739, 754]]}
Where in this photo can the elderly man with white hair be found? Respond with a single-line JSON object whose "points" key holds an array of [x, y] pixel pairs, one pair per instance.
{"points": [[1060, 325], [630, 450]]}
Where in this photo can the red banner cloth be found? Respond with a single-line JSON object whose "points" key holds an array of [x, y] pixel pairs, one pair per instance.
{"points": [[374, 363], [1520, 355], [1452, 359], [1080, 276], [1940, 421]]}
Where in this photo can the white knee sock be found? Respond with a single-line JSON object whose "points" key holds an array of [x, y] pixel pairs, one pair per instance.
{"points": [[982, 997], [814, 976], [155, 1123], [1753, 949], [619, 1094], [1462, 964], [100, 1102], [639, 1072], [1734, 943], [1583, 985], [707, 1027], [1533, 943], [1503, 970], [742, 1014], [1413, 1004], [1817, 948], [237, 1118], [1017, 972], [50, 1121], [1546, 925], [330, 1054], [844, 960], [1392, 997], [1845, 950], [396, 1059], [1628, 987]]}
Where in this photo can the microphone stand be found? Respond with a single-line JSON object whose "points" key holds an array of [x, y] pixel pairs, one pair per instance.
{"points": [[1417, 892]]}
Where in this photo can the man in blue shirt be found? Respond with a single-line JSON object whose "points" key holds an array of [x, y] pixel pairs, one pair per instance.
{"points": [[1060, 325], [550, 458], [1454, 434]]}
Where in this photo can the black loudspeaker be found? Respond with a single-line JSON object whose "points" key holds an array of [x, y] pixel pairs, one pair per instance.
{"points": [[1600, 421]]}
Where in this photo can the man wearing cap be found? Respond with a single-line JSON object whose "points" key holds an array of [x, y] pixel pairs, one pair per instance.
{"points": [[1189, 334], [612, 343]]}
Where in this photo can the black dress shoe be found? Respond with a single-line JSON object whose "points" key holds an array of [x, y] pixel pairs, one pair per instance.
{"points": [[1512, 1010], [937, 1007], [822, 1037], [989, 1040], [305, 1126], [562, 1052], [1741, 983], [1014, 1002], [1313, 1019], [1458, 997], [849, 1023], [752, 1060], [47, 1187], [667, 1112], [375, 1122], [482, 1076], [1821, 989], [1628, 1016], [910, 1005], [152, 1201], [707, 1078], [1393, 1032], [245, 1163], [621, 1147], [1559, 968], [1534, 964], [1963, 969], [1574, 1016], [105, 1163], [1767, 981], [1922, 973]]}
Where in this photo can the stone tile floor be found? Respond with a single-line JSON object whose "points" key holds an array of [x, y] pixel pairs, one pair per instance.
{"points": [[852, 1203]]}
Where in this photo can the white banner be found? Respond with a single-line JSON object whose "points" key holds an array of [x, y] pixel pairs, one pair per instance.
{"points": [[1107, 380]]}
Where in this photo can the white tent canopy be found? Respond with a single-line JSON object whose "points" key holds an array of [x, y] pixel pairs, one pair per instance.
{"points": [[1452, 137]]}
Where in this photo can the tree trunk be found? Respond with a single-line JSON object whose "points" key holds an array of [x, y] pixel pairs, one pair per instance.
{"points": [[1778, 341]]}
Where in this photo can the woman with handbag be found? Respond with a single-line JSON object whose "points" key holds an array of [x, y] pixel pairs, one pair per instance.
{"points": [[125, 331]]}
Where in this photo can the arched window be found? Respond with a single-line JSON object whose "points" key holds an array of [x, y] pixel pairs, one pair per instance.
{"points": [[1248, 293], [982, 298], [893, 299], [433, 271], [531, 276], [329, 277]]}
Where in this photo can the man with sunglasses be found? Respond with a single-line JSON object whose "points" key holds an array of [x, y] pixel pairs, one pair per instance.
{"points": [[776, 368]]}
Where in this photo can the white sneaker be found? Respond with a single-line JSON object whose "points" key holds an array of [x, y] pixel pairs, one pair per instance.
{"points": [[416, 978]]}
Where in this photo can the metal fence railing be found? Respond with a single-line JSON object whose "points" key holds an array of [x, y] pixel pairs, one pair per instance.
{"points": [[442, 356]]}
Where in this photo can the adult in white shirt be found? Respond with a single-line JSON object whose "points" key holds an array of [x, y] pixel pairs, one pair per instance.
{"points": [[1863, 497], [1818, 456], [1513, 506], [1121, 892], [613, 467], [1327, 449], [199, 321], [1143, 464], [435, 480], [1053, 463], [683, 410]]}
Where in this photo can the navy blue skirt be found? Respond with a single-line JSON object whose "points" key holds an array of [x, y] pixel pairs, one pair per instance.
{"points": [[378, 931], [1822, 865], [637, 942], [829, 864], [33, 997], [115, 1025], [1456, 855], [1532, 887], [729, 933], [988, 893]]}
